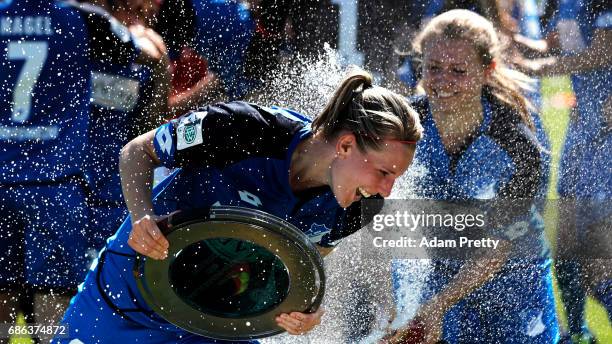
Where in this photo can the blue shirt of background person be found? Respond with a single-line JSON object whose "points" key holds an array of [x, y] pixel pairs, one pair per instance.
{"points": [[219, 30], [582, 31], [42, 135], [47, 53], [126, 101], [120, 94], [576, 24], [49, 50], [511, 170]]}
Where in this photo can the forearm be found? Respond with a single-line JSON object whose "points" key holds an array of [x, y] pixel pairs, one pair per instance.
{"points": [[136, 164], [207, 90], [472, 276], [595, 56], [579, 63]]}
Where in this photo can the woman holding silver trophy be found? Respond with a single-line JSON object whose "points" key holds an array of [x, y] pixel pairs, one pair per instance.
{"points": [[258, 189]]}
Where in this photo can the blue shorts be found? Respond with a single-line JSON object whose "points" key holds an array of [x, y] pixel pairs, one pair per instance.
{"points": [[44, 235], [517, 306]]}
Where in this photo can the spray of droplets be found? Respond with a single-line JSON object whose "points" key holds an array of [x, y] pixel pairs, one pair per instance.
{"points": [[359, 296], [301, 84]]}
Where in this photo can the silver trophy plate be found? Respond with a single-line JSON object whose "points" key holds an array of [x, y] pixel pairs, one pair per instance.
{"points": [[230, 271]]}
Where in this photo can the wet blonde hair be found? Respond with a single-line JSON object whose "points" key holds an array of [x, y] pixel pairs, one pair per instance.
{"points": [[373, 114], [507, 85]]}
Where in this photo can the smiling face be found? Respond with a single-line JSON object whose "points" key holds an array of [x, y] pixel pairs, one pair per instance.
{"points": [[355, 174], [453, 73]]}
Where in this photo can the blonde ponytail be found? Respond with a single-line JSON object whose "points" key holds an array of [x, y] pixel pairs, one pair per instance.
{"points": [[371, 113]]}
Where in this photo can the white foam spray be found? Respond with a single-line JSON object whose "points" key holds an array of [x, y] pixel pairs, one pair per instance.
{"points": [[359, 298]]}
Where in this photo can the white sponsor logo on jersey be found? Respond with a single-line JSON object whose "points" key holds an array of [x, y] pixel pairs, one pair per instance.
{"points": [[536, 325], [114, 92], [25, 26]]}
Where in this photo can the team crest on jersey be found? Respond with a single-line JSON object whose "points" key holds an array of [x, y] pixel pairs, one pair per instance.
{"points": [[189, 130], [189, 133], [316, 232]]}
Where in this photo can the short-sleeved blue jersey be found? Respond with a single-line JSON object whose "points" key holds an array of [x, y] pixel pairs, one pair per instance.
{"points": [[510, 150], [501, 161], [239, 154], [119, 94], [46, 52]]}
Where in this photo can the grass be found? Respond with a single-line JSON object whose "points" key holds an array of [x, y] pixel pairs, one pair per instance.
{"points": [[21, 340]]}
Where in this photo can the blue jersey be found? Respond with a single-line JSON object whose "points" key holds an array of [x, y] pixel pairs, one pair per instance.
{"points": [[227, 154], [513, 161], [512, 170], [117, 102], [501, 161], [576, 23], [218, 30], [241, 154], [46, 53], [513, 167]]}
